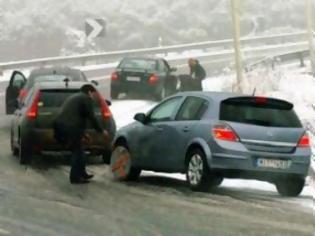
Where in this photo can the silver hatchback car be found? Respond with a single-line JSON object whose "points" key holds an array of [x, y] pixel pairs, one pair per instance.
{"points": [[211, 136]]}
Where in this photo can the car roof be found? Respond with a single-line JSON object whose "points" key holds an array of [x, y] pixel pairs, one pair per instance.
{"points": [[221, 96], [61, 85], [143, 58], [55, 70], [218, 96]]}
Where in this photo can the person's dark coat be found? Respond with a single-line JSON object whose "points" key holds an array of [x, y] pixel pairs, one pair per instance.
{"points": [[198, 72], [71, 122]]}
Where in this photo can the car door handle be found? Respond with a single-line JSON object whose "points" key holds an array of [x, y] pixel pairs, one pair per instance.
{"points": [[186, 129]]}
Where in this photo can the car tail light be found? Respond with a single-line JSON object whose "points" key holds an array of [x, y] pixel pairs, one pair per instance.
{"points": [[153, 79], [114, 76], [304, 141], [224, 132], [22, 94], [33, 110], [104, 107], [261, 100]]}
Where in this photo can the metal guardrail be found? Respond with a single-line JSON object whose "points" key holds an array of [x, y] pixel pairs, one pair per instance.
{"points": [[250, 54], [106, 57]]}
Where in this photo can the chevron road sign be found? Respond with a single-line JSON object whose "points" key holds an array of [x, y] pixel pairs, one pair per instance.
{"points": [[95, 28]]}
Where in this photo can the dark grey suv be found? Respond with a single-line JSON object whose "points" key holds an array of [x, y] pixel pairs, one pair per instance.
{"points": [[32, 123], [210, 136]]}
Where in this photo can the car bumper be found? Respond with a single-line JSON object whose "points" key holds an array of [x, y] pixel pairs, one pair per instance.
{"points": [[136, 87], [243, 163], [42, 141]]}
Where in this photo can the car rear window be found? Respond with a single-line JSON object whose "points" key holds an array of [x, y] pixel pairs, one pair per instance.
{"points": [[55, 98], [52, 78], [279, 115], [145, 64]]}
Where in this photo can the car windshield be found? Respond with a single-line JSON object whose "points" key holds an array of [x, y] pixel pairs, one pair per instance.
{"points": [[138, 64]]}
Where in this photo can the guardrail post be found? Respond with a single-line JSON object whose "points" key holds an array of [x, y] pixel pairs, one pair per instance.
{"points": [[301, 57]]}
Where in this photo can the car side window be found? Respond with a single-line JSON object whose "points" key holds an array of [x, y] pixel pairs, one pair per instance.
{"points": [[193, 108], [165, 111]]}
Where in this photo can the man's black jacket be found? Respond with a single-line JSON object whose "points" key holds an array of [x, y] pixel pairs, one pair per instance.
{"points": [[75, 112], [198, 72]]}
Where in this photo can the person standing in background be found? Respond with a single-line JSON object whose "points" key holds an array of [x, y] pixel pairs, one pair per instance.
{"points": [[197, 72]]}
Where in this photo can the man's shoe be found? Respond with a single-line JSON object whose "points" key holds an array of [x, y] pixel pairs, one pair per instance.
{"points": [[79, 181], [87, 176]]}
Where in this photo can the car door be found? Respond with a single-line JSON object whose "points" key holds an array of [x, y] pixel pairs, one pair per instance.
{"points": [[17, 82], [170, 79], [186, 125], [155, 136]]}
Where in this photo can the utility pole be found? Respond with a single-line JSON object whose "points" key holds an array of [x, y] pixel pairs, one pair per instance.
{"points": [[310, 31], [235, 5]]}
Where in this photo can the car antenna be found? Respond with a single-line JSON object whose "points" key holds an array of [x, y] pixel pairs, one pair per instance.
{"points": [[254, 92], [66, 80]]}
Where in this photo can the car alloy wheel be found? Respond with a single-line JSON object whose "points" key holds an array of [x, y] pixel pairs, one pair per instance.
{"points": [[195, 169], [121, 165], [198, 172]]}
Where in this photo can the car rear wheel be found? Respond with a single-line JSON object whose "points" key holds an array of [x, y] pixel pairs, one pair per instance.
{"points": [[290, 187], [114, 93], [24, 153], [106, 156], [198, 172], [161, 94], [121, 165], [14, 150], [216, 181]]}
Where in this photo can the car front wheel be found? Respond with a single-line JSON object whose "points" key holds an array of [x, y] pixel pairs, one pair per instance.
{"points": [[121, 165], [197, 171], [290, 187]]}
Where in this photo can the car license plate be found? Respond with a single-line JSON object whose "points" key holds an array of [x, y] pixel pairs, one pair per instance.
{"points": [[133, 79], [274, 164]]}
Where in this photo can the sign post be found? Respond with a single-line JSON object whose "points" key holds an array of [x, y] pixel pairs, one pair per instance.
{"points": [[310, 31], [235, 5]]}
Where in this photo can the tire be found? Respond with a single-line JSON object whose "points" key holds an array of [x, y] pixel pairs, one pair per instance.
{"points": [[197, 171], [161, 94], [114, 94], [290, 187], [106, 156], [25, 154], [14, 150], [121, 165], [216, 181]]}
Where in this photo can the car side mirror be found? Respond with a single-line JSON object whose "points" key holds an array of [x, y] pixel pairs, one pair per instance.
{"points": [[94, 82], [140, 117], [109, 103], [173, 69]]}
